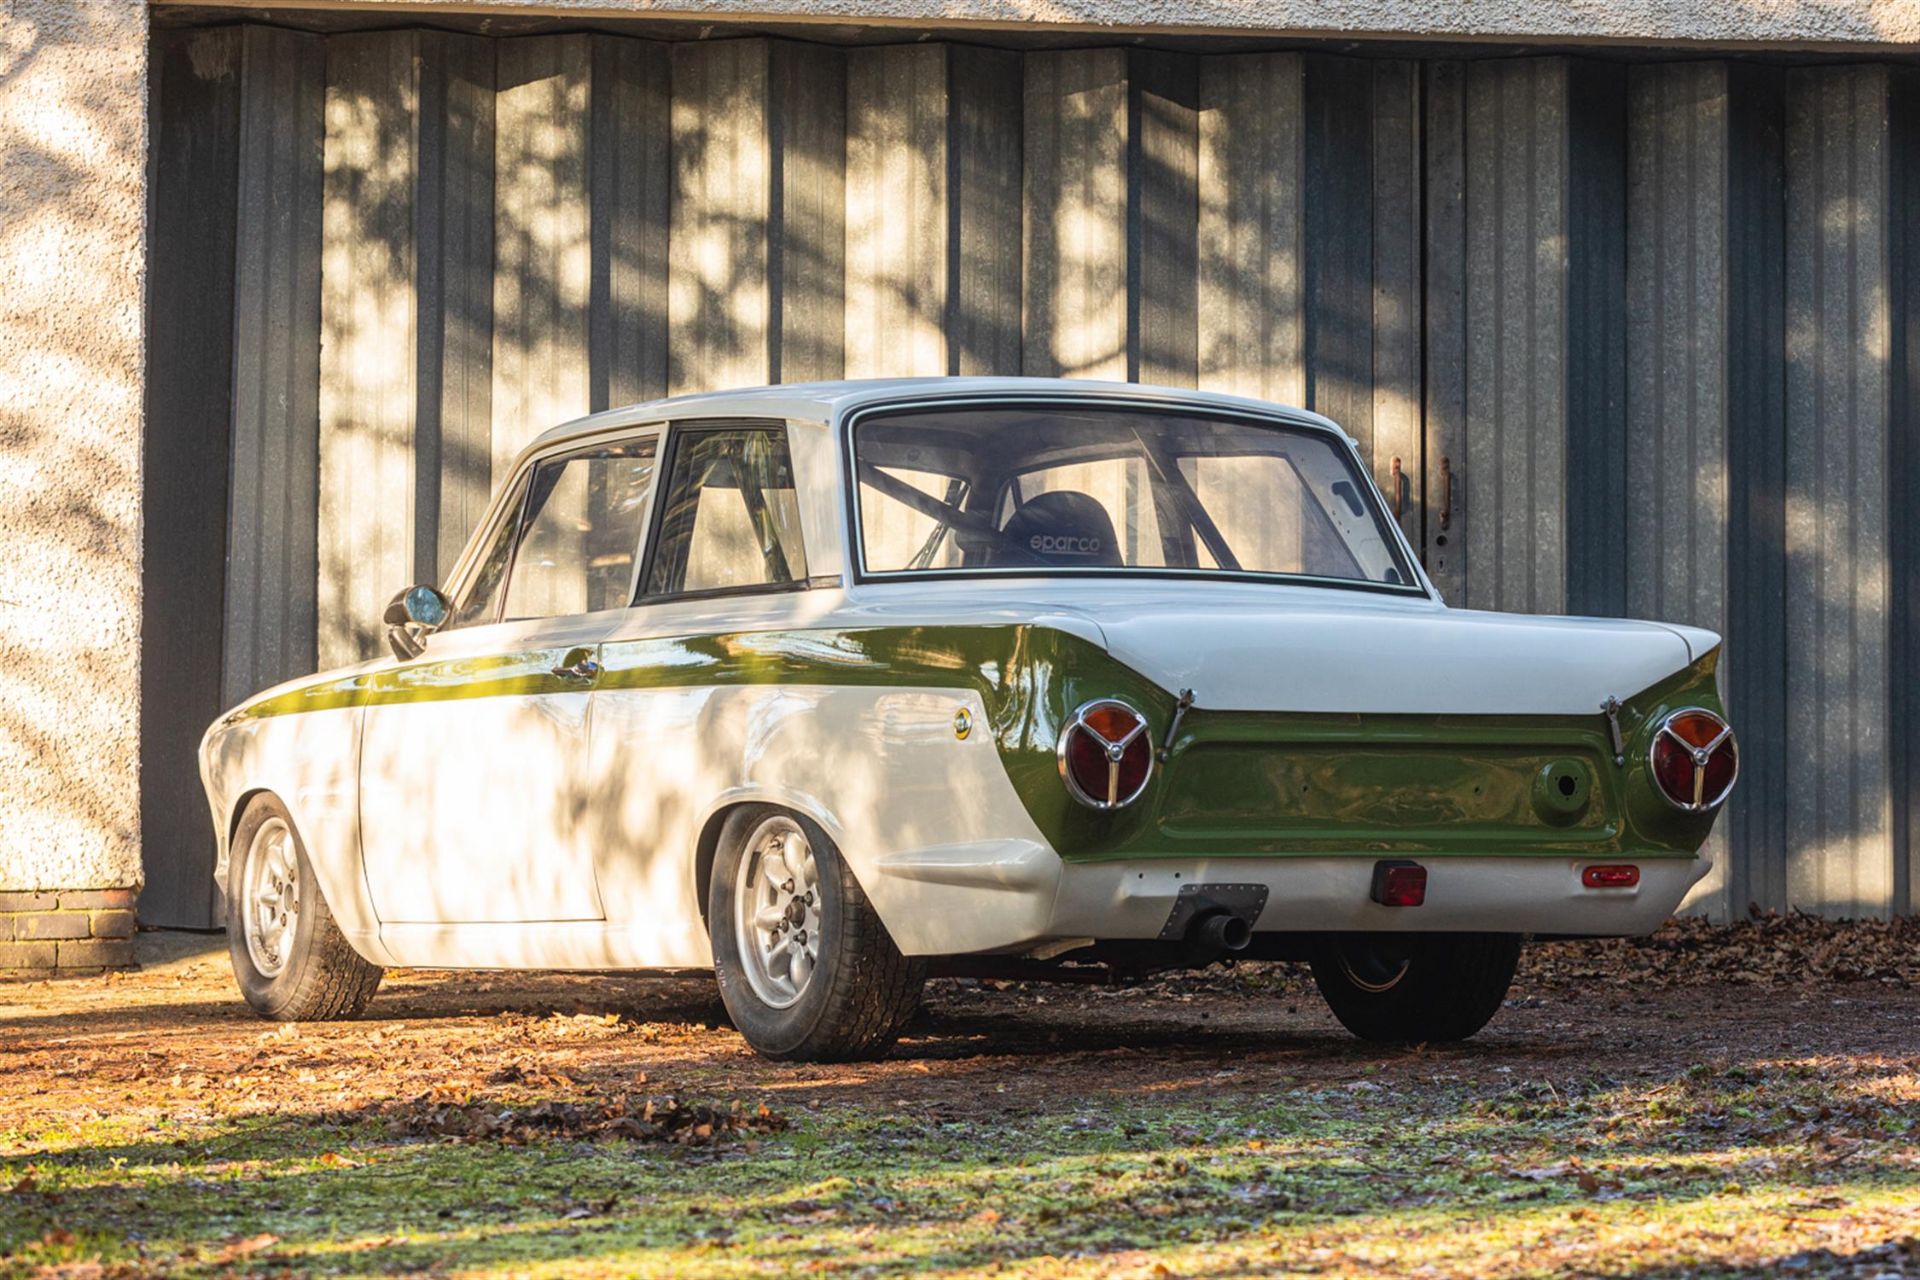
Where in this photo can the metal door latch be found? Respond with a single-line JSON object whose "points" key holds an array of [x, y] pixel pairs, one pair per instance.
{"points": [[1611, 710], [1173, 727]]}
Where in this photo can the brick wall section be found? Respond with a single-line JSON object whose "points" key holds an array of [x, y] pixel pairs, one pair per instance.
{"points": [[72, 929]]}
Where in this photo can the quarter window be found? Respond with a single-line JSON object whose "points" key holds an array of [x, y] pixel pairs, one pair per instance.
{"points": [[731, 520]]}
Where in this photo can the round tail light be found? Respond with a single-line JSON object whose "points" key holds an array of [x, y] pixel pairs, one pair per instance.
{"points": [[1694, 759], [1105, 754]]}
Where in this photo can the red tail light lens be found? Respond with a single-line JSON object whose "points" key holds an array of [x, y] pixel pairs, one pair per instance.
{"points": [[1620, 877], [1694, 759], [1399, 884], [1106, 754]]}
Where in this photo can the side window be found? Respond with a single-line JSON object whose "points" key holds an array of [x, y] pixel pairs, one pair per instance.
{"points": [[482, 602], [731, 520], [581, 532]]}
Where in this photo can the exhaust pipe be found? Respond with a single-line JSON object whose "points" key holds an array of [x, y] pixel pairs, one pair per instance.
{"points": [[1221, 932]]}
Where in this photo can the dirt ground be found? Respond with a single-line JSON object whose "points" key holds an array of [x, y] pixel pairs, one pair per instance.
{"points": [[1707, 1102]]}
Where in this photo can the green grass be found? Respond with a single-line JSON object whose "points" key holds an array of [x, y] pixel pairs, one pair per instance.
{"points": [[1714, 1169]]}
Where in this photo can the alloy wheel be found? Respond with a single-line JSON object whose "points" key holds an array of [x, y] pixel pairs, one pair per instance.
{"points": [[272, 903], [777, 917]]}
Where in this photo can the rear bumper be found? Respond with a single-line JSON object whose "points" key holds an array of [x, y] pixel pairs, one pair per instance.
{"points": [[1016, 897]]}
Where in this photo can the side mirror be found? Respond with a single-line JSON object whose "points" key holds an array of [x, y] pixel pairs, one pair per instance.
{"points": [[411, 616]]}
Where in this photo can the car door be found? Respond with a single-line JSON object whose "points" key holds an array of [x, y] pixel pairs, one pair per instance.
{"points": [[474, 804], [727, 559]]}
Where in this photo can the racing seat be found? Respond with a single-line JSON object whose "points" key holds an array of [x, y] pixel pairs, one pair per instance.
{"points": [[1064, 527]]}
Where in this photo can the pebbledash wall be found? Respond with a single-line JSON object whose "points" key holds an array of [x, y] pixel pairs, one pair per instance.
{"points": [[1616, 297]]}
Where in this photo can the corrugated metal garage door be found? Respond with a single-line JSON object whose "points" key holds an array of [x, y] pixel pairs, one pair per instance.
{"points": [[1632, 335]]}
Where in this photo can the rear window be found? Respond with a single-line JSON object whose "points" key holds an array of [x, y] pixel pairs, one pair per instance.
{"points": [[1075, 488]]}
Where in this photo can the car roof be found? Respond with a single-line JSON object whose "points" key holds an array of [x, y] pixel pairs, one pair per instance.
{"points": [[819, 403]]}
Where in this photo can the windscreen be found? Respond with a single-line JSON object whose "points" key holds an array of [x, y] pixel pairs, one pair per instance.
{"points": [[1078, 488]]}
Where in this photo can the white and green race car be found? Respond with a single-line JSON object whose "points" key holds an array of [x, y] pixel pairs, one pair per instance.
{"points": [[830, 687]]}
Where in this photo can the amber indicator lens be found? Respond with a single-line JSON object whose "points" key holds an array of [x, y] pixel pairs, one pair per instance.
{"points": [[1106, 754], [1694, 759], [1621, 877], [1399, 884]]}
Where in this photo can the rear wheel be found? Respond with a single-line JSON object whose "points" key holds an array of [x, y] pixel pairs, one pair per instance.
{"points": [[807, 971], [291, 960], [1415, 987]]}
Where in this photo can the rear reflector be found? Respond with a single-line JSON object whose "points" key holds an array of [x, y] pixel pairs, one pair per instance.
{"points": [[1399, 884], [1621, 877]]}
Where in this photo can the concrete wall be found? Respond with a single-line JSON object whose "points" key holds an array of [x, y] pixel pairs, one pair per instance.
{"points": [[1842, 24], [1604, 331], [73, 90]]}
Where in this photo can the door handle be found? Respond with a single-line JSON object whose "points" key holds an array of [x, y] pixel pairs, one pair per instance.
{"points": [[1446, 492], [1393, 472], [583, 670]]}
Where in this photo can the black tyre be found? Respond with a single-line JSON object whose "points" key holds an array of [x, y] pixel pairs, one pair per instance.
{"points": [[1415, 988], [807, 971], [290, 958]]}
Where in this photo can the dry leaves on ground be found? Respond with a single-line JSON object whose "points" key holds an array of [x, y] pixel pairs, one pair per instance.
{"points": [[630, 1117], [1768, 949]]}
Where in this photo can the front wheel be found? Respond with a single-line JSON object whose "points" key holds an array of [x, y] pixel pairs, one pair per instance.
{"points": [[807, 971], [1415, 988], [290, 958]]}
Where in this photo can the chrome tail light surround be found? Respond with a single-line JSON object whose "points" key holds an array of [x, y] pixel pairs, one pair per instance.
{"points": [[1105, 733], [1674, 745]]}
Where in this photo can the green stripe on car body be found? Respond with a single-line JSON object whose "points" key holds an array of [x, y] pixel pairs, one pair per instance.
{"points": [[1234, 783]]}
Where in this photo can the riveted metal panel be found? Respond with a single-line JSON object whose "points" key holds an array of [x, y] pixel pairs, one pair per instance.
{"points": [[542, 228], [1839, 819], [1444, 260], [1595, 338], [367, 353], [898, 118], [756, 273], [1753, 672], [933, 210], [1516, 328], [1163, 124], [1903, 457], [1339, 243], [984, 161], [1395, 285], [196, 89], [806, 266], [271, 564], [629, 177], [453, 292], [1252, 195], [1075, 260], [717, 273], [1674, 515]]}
